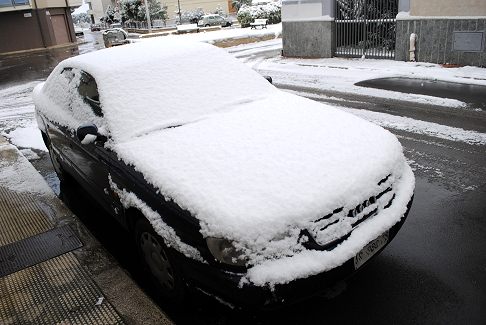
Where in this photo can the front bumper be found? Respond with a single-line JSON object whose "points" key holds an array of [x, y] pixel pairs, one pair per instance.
{"points": [[225, 284]]}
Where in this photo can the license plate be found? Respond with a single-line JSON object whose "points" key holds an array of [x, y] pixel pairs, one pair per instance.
{"points": [[370, 249]]}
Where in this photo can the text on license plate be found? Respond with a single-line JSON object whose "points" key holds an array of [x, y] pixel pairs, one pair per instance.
{"points": [[370, 249]]}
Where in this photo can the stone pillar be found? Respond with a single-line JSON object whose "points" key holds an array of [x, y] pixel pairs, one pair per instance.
{"points": [[308, 28]]}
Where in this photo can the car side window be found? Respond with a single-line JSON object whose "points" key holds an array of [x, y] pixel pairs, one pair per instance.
{"points": [[88, 90]]}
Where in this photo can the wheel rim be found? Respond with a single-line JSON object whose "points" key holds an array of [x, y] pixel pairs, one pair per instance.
{"points": [[157, 260]]}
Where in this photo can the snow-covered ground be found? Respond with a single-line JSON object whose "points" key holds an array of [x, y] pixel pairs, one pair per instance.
{"points": [[341, 74], [230, 34], [336, 74]]}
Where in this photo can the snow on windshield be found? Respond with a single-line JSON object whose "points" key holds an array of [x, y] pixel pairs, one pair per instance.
{"points": [[165, 82]]}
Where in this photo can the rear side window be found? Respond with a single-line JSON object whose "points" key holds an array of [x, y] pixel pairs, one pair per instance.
{"points": [[88, 90]]}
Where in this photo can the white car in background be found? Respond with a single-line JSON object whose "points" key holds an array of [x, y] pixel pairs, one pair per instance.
{"points": [[252, 194]]}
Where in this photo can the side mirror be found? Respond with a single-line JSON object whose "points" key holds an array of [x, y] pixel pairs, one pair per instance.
{"points": [[269, 79], [86, 129]]}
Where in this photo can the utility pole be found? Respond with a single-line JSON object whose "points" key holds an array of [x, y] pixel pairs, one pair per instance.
{"points": [[147, 14], [179, 6]]}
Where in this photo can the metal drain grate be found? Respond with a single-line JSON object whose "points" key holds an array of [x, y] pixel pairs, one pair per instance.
{"points": [[58, 291], [36, 249]]}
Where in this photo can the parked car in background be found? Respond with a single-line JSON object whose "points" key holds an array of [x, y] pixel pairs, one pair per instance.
{"points": [[214, 20], [78, 31], [256, 196], [95, 27], [115, 37]]}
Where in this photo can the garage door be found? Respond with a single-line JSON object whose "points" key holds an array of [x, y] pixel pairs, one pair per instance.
{"points": [[60, 29]]}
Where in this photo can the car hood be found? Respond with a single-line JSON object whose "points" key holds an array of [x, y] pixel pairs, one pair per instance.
{"points": [[267, 166]]}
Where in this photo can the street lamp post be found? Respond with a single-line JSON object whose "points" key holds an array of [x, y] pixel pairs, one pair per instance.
{"points": [[147, 14]]}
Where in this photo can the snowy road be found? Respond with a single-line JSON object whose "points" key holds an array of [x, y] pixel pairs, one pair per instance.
{"points": [[433, 272]]}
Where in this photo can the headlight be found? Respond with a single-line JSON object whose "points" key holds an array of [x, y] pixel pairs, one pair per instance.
{"points": [[225, 252]]}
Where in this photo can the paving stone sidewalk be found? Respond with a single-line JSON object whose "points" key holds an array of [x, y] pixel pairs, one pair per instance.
{"points": [[52, 270]]}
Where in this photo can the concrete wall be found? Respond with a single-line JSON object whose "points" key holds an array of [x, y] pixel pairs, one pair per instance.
{"points": [[314, 39], [452, 8], [436, 40], [31, 29]]}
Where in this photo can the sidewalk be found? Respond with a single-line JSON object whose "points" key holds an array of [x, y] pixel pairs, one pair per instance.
{"points": [[52, 271]]}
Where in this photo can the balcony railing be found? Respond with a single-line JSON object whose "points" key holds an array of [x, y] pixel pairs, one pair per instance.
{"points": [[13, 3]]}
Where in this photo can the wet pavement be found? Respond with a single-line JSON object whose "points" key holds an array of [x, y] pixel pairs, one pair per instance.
{"points": [[432, 272], [474, 94]]}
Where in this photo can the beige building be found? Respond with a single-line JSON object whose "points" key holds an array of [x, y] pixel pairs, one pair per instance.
{"points": [[97, 9], [31, 24], [207, 6]]}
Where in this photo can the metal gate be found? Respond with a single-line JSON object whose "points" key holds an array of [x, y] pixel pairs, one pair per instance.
{"points": [[366, 27]]}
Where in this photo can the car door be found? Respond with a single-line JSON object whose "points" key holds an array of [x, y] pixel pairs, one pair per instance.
{"points": [[89, 161]]}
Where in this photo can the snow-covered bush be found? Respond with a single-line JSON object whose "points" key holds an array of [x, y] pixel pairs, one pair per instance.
{"points": [[134, 10], [271, 12]]}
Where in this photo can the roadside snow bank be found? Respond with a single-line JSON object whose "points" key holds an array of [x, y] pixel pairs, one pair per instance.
{"points": [[412, 125], [341, 75], [27, 137], [13, 164]]}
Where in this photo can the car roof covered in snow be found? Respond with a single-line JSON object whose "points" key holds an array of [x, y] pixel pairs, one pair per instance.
{"points": [[159, 83]]}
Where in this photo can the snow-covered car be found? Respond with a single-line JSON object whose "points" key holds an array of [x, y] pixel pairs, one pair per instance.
{"points": [[115, 37], [214, 20], [247, 192], [78, 31], [95, 27]]}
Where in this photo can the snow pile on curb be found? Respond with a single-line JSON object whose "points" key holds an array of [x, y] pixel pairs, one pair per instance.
{"points": [[13, 164]]}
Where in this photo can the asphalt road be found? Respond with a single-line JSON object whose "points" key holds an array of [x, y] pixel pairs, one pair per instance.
{"points": [[434, 271]]}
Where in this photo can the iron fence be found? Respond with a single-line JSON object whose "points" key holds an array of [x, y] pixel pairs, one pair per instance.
{"points": [[366, 27]]}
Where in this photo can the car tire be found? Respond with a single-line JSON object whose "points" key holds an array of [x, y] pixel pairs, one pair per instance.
{"points": [[158, 262], [207, 25]]}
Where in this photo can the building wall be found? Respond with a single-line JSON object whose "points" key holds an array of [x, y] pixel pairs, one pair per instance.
{"points": [[440, 41], [97, 9], [308, 28], [24, 35], [207, 5], [448, 32], [33, 29], [451, 8]]}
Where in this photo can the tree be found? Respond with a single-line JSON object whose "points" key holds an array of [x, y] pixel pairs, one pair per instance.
{"points": [[111, 15], [237, 4], [81, 18], [134, 10]]}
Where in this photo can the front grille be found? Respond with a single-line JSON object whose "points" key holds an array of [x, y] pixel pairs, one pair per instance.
{"points": [[328, 231]]}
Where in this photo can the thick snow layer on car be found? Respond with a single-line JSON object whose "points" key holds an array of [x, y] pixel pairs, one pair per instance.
{"points": [[264, 171], [155, 84], [253, 164], [311, 262]]}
